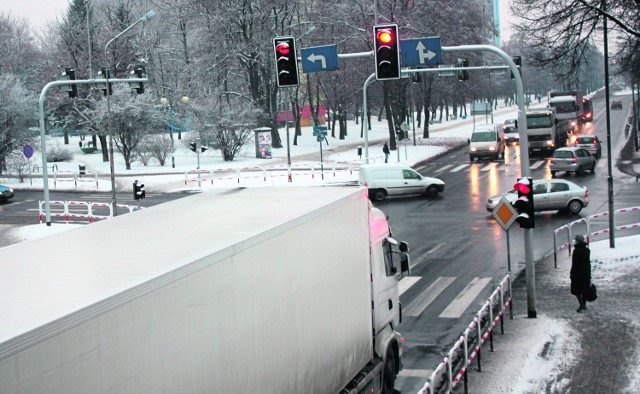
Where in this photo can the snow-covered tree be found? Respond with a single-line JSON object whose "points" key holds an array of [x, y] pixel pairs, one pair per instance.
{"points": [[17, 114]]}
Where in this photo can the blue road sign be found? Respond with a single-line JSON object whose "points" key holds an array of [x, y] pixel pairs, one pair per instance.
{"points": [[319, 59], [28, 151], [421, 52]]}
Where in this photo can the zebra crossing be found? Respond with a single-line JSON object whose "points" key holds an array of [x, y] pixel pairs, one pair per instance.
{"points": [[455, 309], [493, 166]]}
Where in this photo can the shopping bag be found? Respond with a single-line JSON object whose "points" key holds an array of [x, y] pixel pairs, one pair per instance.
{"points": [[592, 295]]}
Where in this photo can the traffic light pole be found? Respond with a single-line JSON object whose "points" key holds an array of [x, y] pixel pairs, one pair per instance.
{"points": [[43, 141], [522, 131]]}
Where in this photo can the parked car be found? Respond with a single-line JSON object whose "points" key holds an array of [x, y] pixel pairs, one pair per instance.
{"points": [[510, 131], [5, 193], [390, 179], [486, 141], [576, 160], [549, 195], [616, 104], [591, 143]]}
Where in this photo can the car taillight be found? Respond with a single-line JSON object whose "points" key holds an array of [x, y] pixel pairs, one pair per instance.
{"points": [[586, 194], [574, 160]]}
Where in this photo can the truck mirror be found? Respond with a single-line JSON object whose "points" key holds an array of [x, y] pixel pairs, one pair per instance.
{"points": [[405, 267], [403, 246], [468, 141]]}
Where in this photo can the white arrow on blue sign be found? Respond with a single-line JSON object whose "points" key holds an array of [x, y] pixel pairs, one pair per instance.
{"points": [[319, 59], [421, 51]]}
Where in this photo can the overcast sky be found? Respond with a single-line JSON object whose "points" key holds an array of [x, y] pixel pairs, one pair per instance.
{"points": [[38, 12]]}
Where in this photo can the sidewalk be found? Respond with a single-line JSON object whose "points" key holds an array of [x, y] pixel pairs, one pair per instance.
{"points": [[562, 351]]}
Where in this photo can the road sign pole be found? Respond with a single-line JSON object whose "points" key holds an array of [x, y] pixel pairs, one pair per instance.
{"points": [[321, 161], [508, 253]]}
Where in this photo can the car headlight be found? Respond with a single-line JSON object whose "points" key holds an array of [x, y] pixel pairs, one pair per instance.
{"points": [[473, 149]]}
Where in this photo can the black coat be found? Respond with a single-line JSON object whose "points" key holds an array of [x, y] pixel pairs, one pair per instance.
{"points": [[580, 269]]}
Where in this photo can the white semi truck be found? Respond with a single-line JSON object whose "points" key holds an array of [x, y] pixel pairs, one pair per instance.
{"points": [[264, 290], [568, 106], [545, 132]]}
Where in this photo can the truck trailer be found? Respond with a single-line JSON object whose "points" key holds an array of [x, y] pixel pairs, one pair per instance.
{"points": [[259, 290]]}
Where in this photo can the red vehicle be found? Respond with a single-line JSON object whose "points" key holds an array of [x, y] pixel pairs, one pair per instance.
{"points": [[587, 111]]}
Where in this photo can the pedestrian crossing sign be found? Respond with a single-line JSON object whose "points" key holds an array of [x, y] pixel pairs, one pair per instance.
{"points": [[504, 213]]}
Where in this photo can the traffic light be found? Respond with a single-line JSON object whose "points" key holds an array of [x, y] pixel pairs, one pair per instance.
{"points": [[286, 61], [137, 72], [203, 149], [104, 74], [463, 75], [193, 147], [524, 203], [518, 61], [387, 52], [72, 89], [138, 190]]}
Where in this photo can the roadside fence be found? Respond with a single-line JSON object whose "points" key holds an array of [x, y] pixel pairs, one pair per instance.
{"points": [[594, 226], [77, 211], [75, 177], [268, 173], [454, 367]]}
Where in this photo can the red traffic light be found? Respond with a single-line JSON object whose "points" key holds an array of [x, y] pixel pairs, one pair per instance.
{"points": [[283, 48], [385, 36], [522, 186]]}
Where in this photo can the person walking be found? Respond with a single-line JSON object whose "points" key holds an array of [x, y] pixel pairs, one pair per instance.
{"points": [[581, 271], [385, 150]]}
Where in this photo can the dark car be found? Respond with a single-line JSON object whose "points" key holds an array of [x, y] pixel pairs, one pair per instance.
{"points": [[616, 104], [5, 193], [591, 143], [510, 131]]}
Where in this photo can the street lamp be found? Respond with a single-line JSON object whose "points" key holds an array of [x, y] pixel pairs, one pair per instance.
{"points": [[165, 103], [146, 17]]}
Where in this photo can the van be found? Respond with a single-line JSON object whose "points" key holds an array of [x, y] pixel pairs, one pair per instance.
{"points": [[391, 179], [486, 141]]}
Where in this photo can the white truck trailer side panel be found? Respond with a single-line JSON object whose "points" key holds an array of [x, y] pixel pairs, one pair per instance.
{"points": [[244, 291]]}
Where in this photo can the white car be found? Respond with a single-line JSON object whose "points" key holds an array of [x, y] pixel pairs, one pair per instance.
{"points": [[390, 179], [549, 195]]}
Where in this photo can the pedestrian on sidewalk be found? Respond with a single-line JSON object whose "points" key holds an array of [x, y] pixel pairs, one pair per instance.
{"points": [[385, 150], [581, 271]]}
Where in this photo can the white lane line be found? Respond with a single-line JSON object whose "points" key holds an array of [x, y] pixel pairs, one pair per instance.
{"points": [[416, 373], [489, 167], [457, 307], [443, 168], [423, 256], [537, 164], [406, 283], [460, 167], [428, 295]]}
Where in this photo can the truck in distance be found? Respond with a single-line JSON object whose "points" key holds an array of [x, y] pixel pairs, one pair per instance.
{"points": [[545, 133]]}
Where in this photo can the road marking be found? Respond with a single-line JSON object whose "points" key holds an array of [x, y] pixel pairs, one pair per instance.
{"points": [[537, 164], [428, 295], [443, 168], [489, 167], [423, 256], [460, 167], [457, 307], [416, 373], [406, 283]]}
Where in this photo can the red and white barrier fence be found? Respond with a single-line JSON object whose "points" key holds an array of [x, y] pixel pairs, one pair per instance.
{"points": [[72, 211], [455, 366], [563, 235]]}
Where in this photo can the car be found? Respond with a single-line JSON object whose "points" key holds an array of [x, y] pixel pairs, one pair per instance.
{"points": [[576, 160], [486, 141], [389, 179], [6, 193], [549, 195], [510, 131], [591, 143], [616, 104]]}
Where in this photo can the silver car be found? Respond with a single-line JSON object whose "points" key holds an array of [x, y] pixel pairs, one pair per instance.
{"points": [[576, 160], [549, 195], [590, 143]]}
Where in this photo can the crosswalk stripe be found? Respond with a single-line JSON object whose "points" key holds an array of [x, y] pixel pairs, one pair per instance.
{"points": [[457, 307], [537, 164], [489, 167], [406, 283], [428, 295], [416, 373], [443, 168], [460, 167]]}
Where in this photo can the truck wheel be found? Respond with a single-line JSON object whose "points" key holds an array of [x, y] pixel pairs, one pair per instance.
{"points": [[574, 207], [432, 191], [379, 195], [389, 373]]}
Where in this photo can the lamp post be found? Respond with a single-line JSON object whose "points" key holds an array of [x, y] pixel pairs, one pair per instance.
{"points": [[146, 17], [185, 101], [612, 227], [165, 103]]}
